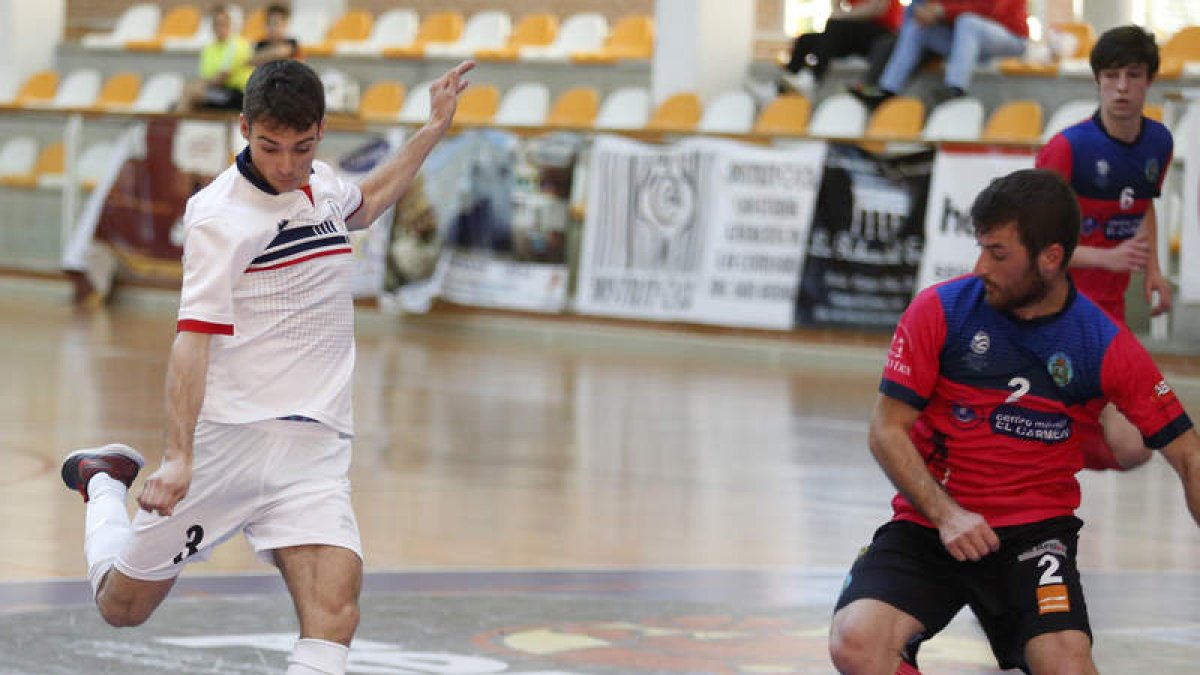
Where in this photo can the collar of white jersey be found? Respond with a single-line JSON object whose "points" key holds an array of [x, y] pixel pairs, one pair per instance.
{"points": [[245, 166]]}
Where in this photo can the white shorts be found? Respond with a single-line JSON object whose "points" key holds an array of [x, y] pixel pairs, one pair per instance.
{"points": [[283, 483]]}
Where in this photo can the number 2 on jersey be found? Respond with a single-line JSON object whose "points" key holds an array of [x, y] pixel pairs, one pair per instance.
{"points": [[1021, 387]]}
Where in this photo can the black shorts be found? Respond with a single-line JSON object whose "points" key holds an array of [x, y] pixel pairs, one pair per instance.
{"points": [[1027, 588], [222, 98]]}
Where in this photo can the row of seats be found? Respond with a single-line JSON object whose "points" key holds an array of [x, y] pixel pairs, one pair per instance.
{"points": [[24, 165], [85, 89], [397, 33], [1179, 55]]}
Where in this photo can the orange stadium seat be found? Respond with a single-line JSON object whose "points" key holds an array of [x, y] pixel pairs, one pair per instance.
{"points": [[381, 102], [255, 27], [180, 22], [119, 92], [631, 38], [534, 30], [1182, 49], [50, 162], [1014, 122], [38, 90], [785, 115], [478, 104], [437, 27], [353, 26], [680, 112], [899, 118], [575, 108]]}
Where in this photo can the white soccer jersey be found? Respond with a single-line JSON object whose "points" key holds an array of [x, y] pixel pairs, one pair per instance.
{"points": [[269, 275]]}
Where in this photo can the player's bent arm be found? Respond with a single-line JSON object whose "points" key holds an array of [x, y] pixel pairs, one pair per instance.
{"points": [[966, 535], [187, 372], [388, 182], [1183, 454]]}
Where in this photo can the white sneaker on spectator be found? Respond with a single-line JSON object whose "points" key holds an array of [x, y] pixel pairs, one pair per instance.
{"points": [[802, 82]]}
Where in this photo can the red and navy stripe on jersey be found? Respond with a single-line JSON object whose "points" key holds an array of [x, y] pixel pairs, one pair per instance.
{"points": [[1115, 182], [1002, 399]]}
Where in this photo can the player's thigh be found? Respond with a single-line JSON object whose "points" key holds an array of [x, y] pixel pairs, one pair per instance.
{"points": [[907, 570], [1038, 591]]}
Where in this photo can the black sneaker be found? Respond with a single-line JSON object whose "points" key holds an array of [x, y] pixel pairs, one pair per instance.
{"points": [[119, 461], [870, 95]]}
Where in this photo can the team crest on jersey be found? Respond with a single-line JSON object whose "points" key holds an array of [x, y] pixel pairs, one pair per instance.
{"points": [[965, 417], [981, 343], [1060, 369], [1089, 225], [1152, 170], [1101, 177]]}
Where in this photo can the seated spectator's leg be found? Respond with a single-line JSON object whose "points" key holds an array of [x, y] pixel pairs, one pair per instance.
{"points": [[877, 57], [912, 40], [804, 49], [975, 39]]}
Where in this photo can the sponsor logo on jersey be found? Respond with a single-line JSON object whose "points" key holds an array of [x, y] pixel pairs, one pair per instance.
{"points": [[1101, 175], [1162, 389], [1122, 227], [1030, 425], [1059, 367], [1051, 546], [964, 416], [895, 357]]}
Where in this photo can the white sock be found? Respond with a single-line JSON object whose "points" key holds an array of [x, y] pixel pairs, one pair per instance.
{"points": [[107, 526], [311, 656]]}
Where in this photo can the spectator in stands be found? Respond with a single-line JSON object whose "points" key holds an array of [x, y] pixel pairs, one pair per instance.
{"points": [[224, 69], [277, 44], [853, 29], [964, 31], [1116, 162]]}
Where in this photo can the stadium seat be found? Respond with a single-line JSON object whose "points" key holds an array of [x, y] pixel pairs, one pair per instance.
{"points": [[785, 115], [584, 32], [38, 90], [524, 105], [484, 30], [417, 104], [255, 26], [1154, 111], [1014, 122], [159, 92], [679, 112], [50, 171], [632, 37], [439, 27], [394, 28], [1066, 114], [899, 118], [137, 22], [534, 30], [575, 108], [1182, 131], [17, 158], [341, 91], [79, 89], [1083, 34], [477, 105], [93, 162], [959, 119], [1181, 54], [309, 26], [730, 112], [119, 92], [204, 32], [182, 21], [624, 108], [382, 101], [353, 26], [839, 116]]}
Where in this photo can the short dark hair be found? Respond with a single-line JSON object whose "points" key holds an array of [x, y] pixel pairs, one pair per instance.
{"points": [[279, 8], [285, 93], [1039, 201], [1124, 46]]}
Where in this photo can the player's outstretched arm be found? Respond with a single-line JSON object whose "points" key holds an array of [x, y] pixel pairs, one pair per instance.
{"points": [[1155, 283], [966, 535], [187, 372], [388, 182], [1183, 454]]}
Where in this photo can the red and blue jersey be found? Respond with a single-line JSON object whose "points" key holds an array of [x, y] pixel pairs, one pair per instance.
{"points": [[1115, 182], [1002, 400]]}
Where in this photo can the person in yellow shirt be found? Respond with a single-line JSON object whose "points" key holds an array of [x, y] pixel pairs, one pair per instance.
{"points": [[225, 68]]}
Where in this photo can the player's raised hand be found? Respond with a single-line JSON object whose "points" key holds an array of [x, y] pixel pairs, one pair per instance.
{"points": [[967, 536], [444, 92]]}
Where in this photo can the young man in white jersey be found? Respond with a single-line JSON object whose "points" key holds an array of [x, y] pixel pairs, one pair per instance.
{"points": [[258, 382]]}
